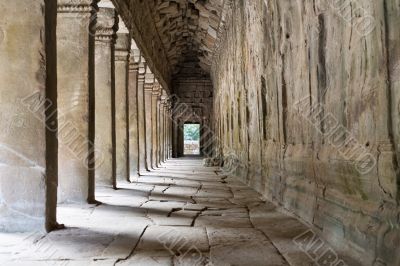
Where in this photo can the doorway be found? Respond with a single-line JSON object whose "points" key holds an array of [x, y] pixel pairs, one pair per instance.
{"points": [[191, 138]]}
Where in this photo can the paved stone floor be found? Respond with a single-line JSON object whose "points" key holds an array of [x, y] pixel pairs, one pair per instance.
{"points": [[181, 214]]}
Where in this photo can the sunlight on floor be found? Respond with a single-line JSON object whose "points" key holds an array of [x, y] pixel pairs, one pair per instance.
{"points": [[182, 214]]}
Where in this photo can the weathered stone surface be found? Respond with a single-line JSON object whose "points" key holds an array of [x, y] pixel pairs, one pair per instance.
{"points": [[164, 126], [149, 258], [266, 218], [133, 113], [214, 192], [104, 96], [138, 18], [155, 123], [142, 153], [122, 55], [242, 247], [28, 178], [161, 118], [75, 53], [180, 21], [297, 99], [194, 94], [148, 101], [182, 33], [298, 107], [167, 238], [129, 228]]}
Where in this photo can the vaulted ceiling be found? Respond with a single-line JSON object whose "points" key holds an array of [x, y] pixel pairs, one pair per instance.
{"points": [[188, 31], [177, 37]]}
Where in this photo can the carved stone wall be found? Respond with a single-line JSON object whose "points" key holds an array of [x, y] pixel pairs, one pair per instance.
{"points": [[307, 100]]}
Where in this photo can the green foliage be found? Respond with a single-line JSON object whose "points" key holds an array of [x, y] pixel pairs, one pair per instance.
{"points": [[192, 132]]}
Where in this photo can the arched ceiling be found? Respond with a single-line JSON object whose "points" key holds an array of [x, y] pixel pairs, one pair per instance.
{"points": [[188, 30]]}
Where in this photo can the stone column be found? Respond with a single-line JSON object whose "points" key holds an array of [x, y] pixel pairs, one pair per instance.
{"points": [[162, 129], [104, 96], [75, 53], [171, 130], [154, 105], [165, 130], [141, 118], [28, 82], [169, 139], [158, 130], [175, 130], [148, 91], [122, 52], [181, 145], [133, 114]]}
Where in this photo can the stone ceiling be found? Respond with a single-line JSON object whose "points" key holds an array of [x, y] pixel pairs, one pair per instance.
{"points": [[188, 30]]}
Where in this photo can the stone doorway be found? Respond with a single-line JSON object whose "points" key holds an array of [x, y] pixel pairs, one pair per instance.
{"points": [[191, 139]]}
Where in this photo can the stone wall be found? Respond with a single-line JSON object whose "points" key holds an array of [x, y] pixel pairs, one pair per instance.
{"points": [[307, 99], [28, 85]]}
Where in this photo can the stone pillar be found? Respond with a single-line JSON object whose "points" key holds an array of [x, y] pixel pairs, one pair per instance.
{"points": [[104, 96], [133, 114], [169, 130], [175, 130], [75, 53], [122, 52], [162, 129], [181, 137], [154, 105], [158, 130], [141, 118], [148, 91], [28, 105], [167, 123], [165, 130]]}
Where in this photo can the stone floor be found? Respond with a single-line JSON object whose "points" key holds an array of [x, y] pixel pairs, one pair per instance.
{"points": [[181, 214]]}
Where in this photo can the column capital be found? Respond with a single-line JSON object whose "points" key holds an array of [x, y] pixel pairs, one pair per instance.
{"points": [[157, 89], [163, 101], [148, 86], [142, 72], [134, 60], [122, 47], [149, 80], [76, 6], [164, 96], [107, 24], [133, 66], [123, 42]]}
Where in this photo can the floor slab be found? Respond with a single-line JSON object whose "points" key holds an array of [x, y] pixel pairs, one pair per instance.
{"points": [[180, 214]]}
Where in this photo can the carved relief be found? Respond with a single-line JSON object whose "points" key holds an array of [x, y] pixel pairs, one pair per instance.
{"points": [[107, 24], [74, 6]]}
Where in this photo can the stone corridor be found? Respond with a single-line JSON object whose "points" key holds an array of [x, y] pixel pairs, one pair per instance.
{"points": [[180, 214], [298, 108]]}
